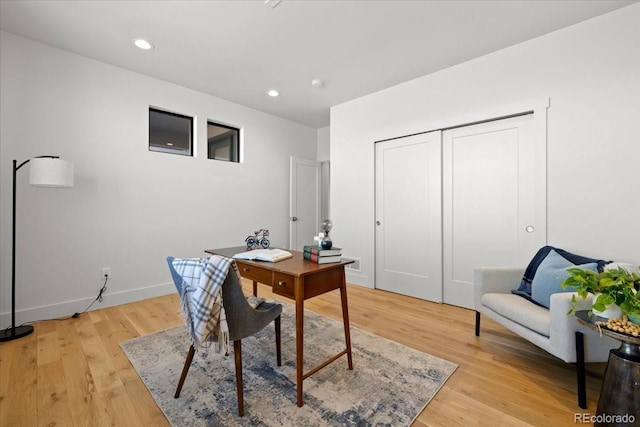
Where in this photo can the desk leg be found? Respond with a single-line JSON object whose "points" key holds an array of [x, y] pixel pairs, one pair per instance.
{"points": [[299, 296], [255, 288], [345, 319]]}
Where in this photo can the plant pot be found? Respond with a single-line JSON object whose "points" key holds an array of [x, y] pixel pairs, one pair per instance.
{"points": [[612, 311]]}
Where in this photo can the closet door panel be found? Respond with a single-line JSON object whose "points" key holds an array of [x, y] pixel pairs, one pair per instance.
{"points": [[488, 194], [408, 216]]}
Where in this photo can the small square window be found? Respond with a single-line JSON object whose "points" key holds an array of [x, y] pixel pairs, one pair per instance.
{"points": [[170, 132], [223, 142]]}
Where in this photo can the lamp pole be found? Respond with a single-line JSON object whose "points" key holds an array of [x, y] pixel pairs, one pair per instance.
{"points": [[14, 332]]}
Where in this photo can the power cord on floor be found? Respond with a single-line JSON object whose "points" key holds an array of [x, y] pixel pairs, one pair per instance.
{"points": [[76, 314], [98, 298]]}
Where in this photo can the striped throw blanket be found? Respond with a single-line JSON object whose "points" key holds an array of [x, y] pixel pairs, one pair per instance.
{"points": [[202, 298]]}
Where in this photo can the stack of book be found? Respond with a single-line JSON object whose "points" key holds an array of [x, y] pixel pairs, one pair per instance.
{"points": [[322, 256]]}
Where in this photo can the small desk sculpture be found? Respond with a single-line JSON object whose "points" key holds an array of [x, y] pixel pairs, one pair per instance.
{"points": [[326, 242], [259, 240]]}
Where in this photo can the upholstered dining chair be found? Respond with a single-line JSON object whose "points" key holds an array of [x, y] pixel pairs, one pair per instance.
{"points": [[242, 319]]}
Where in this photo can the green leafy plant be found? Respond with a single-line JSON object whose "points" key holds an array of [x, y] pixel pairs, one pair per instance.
{"points": [[615, 286]]}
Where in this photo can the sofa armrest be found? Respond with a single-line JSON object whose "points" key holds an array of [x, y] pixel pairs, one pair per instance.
{"points": [[561, 304], [563, 326], [495, 280]]}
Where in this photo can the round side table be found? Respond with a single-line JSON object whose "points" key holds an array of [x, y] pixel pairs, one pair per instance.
{"points": [[619, 402]]}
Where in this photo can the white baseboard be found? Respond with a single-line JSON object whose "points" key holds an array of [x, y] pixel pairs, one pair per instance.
{"points": [[359, 279], [68, 308]]}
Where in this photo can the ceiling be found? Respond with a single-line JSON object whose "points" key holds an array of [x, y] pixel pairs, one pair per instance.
{"points": [[238, 50]]}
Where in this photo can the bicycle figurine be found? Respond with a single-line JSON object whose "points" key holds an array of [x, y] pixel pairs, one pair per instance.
{"points": [[258, 240]]}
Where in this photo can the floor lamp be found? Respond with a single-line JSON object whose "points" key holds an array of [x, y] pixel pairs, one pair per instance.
{"points": [[46, 171]]}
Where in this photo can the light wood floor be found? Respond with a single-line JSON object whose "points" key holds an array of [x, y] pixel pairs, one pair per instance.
{"points": [[73, 372]]}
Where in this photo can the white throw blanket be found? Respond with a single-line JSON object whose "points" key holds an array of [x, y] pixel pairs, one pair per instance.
{"points": [[202, 298]]}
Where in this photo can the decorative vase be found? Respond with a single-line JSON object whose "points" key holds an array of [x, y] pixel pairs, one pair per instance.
{"points": [[612, 311]]}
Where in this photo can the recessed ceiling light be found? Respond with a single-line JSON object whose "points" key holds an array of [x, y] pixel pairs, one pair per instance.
{"points": [[273, 93], [143, 44]]}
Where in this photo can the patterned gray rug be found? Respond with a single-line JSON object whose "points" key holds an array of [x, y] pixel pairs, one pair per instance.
{"points": [[390, 383]]}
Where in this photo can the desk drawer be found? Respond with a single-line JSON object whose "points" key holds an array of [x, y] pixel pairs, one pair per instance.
{"points": [[283, 285], [258, 274]]}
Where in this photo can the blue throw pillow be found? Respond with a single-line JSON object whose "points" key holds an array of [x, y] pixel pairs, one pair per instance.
{"points": [[550, 274], [524, 289]]}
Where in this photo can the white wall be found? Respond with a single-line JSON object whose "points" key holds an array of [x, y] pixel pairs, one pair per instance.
{"points": [[591, 74], [324, 135], [130, 208]]}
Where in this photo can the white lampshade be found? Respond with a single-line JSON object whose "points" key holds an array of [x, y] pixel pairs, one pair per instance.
{"points": [[48, 172]]}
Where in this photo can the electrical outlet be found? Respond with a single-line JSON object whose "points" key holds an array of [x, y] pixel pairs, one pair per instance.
{"points": [[106, 272]]}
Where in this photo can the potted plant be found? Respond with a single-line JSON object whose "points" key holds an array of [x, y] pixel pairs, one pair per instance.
{"points": [[612, 286]]}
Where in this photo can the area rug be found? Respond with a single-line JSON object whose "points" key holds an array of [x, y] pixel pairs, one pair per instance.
{"points": [[389, 385]]}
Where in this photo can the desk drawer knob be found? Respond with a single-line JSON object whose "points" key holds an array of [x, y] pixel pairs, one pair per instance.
{"points": [[282, 283]]}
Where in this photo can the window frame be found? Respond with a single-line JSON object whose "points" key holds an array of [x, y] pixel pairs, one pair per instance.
{"points": [[234, 144], [190, 151]]}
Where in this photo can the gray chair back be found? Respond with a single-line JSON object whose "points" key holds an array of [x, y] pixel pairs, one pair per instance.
{"points": [[242, 319], [177, 279]]}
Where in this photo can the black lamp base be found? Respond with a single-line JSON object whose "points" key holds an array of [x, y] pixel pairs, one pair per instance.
{"points": [[15, 333]]}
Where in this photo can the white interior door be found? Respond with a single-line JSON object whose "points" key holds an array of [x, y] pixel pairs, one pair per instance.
{"points": [[304, 206], [491, 212], [408, 216]]}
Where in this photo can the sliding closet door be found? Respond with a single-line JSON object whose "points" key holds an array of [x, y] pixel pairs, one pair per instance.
{"points": [[491, 201], [408, 216]]}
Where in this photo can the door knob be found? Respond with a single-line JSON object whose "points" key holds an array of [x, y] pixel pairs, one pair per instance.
{"points": [[294, 218], [377, 222]]}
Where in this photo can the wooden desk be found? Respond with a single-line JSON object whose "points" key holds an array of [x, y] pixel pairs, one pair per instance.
{"points": [[298, 279]]}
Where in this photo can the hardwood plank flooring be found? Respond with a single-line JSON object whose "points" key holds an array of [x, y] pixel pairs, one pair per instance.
{"points": [[73, 373]]}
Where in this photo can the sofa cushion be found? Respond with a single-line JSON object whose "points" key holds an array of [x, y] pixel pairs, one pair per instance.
{"points": [[519, 310], [550, 274], [529, 274]]}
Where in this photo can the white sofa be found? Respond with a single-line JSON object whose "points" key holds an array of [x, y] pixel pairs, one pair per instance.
{"points": [[550, 329]]}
